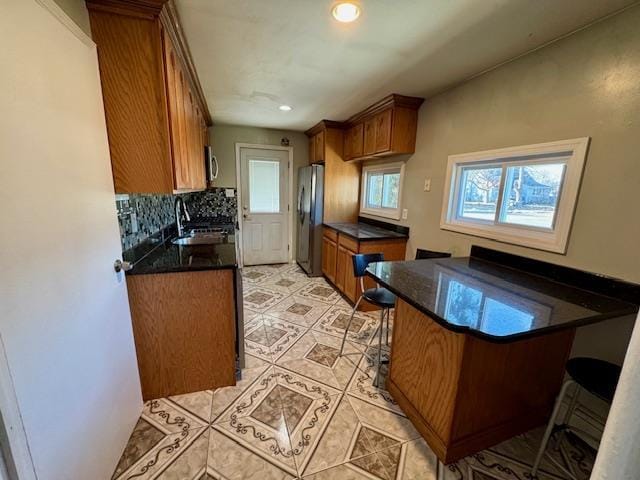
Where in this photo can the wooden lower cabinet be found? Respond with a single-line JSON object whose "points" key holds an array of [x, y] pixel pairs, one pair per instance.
{"points": [[329, 254], [184, 326], [464, 394], [337, 264]]}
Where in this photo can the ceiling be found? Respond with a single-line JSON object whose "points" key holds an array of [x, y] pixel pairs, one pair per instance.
{"points": [[254, 55]]}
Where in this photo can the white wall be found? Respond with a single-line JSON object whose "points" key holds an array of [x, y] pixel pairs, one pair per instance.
{"points": [[64, 316]]}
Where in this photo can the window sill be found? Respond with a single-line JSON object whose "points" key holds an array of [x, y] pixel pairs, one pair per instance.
{"points": [[534, 239], [392, 214]]}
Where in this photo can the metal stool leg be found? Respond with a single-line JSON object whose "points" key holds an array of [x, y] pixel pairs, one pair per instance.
{"points": [[388, 315], [376, 382], [567, 417], [550, 425], [353, 312]]}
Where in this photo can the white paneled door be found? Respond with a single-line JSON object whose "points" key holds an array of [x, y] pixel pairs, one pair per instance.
{"points": [[68, 372], [264, 174]]}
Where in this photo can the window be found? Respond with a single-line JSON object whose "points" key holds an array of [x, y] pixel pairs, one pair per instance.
{"points": [[381, 190], [521, 195], [264, 186]]}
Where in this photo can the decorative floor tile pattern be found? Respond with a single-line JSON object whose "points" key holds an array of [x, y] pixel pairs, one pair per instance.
{"points": [[300, 411]]}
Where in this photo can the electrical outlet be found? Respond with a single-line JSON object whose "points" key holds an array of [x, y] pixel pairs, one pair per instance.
{"points": [[427, 185], [229, 192], [405, 213]]}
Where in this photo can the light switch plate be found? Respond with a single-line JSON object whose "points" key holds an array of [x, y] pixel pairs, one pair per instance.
{"points": [[405, 213], [427, 185], [229, 192]]}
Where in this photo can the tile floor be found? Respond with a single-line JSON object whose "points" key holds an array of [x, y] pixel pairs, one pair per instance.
{"points": [[301, 411]]}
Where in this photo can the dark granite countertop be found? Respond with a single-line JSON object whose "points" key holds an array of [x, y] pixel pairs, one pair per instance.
{"points": [[159, 255], [364, 231], [492, 301]]}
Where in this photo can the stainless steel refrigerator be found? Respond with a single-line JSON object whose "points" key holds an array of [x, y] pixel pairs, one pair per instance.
{"points": [[309, 219]]}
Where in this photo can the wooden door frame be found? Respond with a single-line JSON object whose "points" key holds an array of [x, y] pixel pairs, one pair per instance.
{"points": [[259, 146]]}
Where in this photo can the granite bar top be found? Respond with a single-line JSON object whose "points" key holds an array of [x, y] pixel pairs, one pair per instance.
{"points": [[363, 231], [159, 255], [493, 301]]}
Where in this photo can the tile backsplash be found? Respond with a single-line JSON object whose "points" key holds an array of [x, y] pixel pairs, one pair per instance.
{"points": [[142, 215]]}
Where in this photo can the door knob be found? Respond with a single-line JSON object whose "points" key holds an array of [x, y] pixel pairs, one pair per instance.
{"points": [[120, 266]]}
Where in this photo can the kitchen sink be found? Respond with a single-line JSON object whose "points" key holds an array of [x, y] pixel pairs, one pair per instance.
{"points": [[208, 238]]}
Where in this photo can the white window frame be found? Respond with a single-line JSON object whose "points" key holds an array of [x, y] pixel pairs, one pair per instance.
{"points": [[393, 213], [554, 239]]}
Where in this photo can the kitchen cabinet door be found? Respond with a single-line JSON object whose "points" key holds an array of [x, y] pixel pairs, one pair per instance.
{"points": [[350, 288], [341, 267], [312, 149], [383, 131], [353, 144], [176, 111], [329, 253], [319, 141], [369, 142]]}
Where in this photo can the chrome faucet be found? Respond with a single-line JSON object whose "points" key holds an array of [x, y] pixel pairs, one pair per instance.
{"points": [[181, 209]]}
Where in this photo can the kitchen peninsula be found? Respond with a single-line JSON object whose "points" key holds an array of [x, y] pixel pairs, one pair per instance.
{"points": [[480, 343]]}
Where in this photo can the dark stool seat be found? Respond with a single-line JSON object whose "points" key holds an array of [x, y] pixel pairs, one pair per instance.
{"points": [[380, 297], [596, 376]]}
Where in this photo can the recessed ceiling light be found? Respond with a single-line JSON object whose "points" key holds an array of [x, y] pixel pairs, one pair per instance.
{"points": [[285, 108], [346, 12]]}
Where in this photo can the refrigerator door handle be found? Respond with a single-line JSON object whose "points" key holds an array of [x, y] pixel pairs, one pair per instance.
{"points": [[301, 205]]}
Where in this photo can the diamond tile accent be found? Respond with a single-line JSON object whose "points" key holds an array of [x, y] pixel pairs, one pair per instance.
{"points": [[258, 298], [325, 292], [285, 282], [267, 336], [342, 321], [323, 354], [299, 309], [253, 275]]}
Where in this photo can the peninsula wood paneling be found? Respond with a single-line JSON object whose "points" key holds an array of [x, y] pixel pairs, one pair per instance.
{"points": [[184, 331], [465, 394]]}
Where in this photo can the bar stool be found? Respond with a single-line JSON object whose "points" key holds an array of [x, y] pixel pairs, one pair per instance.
{"points": [[597, 377], [422, 254], [378, 296]]}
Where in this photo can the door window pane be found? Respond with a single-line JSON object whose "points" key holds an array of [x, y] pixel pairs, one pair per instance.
{"points": [[531, 194], [264, 186], [478, 193]]}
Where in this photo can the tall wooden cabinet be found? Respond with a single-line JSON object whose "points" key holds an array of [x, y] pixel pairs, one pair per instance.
{"points": [[341, 179], [156, 114]]}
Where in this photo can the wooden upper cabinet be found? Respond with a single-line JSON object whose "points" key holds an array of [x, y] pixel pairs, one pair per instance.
{"points": [[386, 128], [319, 147], [383, 131], [341, 179], [154, 106], [354, 142], [369, 137]]}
